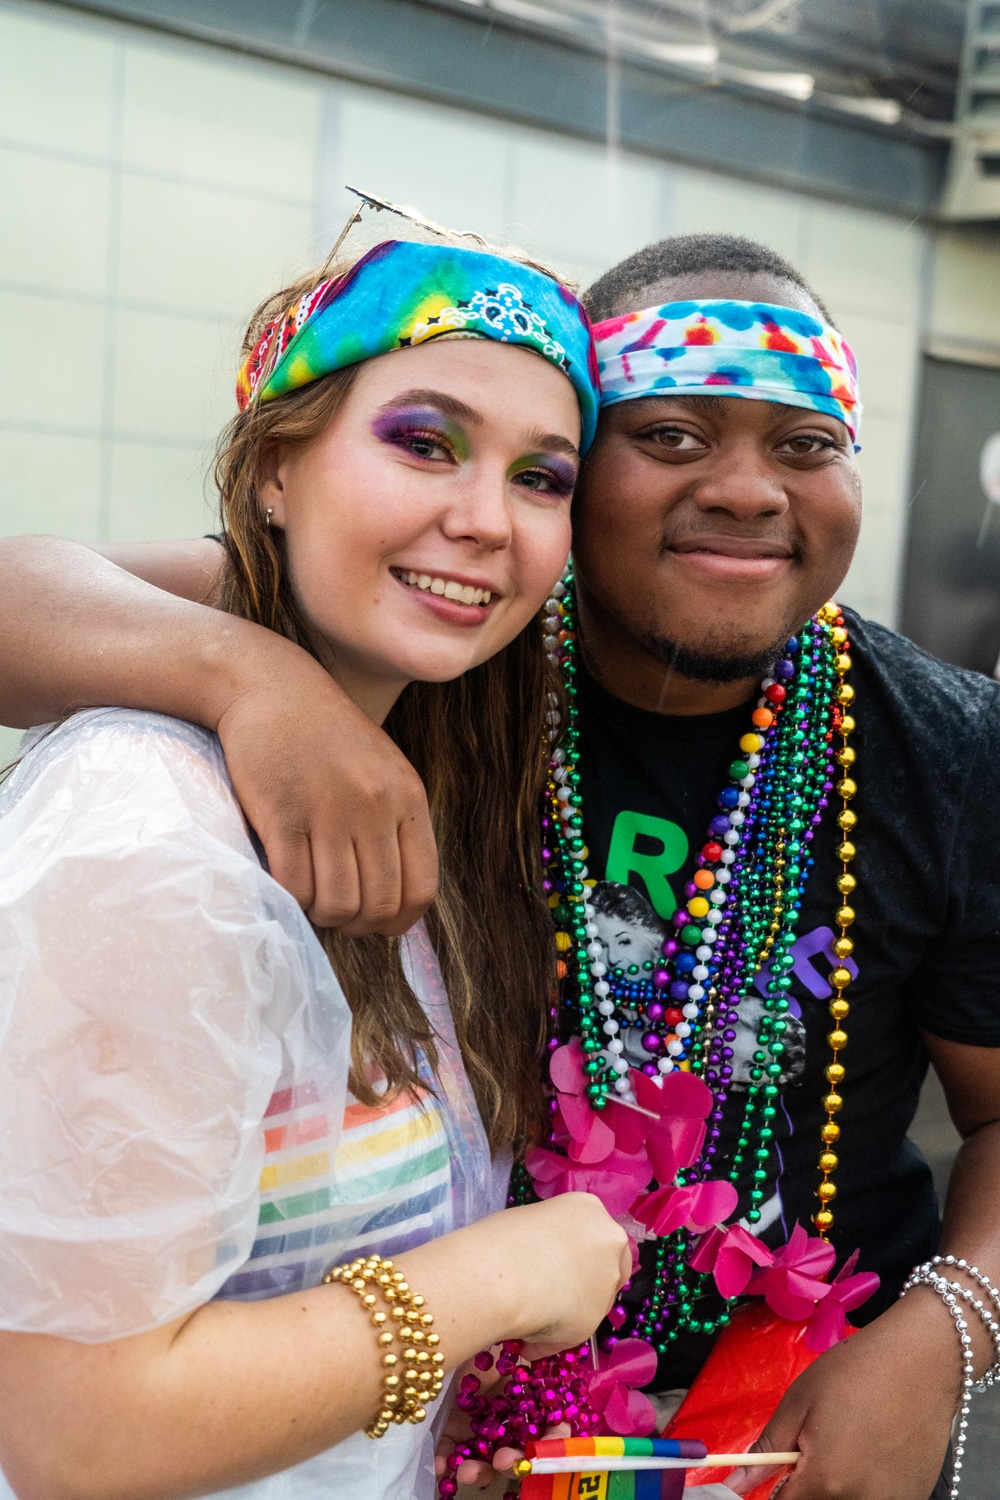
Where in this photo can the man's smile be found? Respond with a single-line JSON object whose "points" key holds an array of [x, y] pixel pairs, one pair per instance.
{"points": [[732, 559]]}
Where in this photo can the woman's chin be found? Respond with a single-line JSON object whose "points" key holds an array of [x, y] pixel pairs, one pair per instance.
{"points": [[437, 654], [438, 666], [410, 659]]}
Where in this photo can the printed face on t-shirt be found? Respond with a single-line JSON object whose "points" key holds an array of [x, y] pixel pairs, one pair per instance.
{"points": [[628, 928]]}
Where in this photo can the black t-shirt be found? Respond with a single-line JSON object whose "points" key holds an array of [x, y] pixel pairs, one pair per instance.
{"points": [[927, 934]]}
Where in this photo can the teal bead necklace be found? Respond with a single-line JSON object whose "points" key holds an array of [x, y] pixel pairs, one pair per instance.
{"points": [[740, 917]]}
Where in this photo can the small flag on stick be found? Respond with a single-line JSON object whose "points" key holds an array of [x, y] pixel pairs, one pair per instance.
{"points": [[615, 1468]]}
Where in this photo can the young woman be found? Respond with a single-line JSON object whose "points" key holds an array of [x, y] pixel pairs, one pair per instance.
{"points": [[197, 1125]]}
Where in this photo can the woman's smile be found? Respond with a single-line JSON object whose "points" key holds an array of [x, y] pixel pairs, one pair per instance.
{"points": [[472, 600], [425, 526]]}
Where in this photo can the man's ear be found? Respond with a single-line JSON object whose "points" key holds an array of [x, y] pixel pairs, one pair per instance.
{"points": [[270, 485]]}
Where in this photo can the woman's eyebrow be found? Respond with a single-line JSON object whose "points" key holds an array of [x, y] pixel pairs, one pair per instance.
{"points": [[448, 406], [553, 442], [458, 411]]}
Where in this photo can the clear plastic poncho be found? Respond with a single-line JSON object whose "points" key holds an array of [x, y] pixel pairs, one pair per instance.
{"points": [[156, 988]]}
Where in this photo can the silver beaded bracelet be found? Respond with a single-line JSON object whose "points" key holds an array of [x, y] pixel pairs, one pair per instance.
{"points": [[943, 1288], [951, 1292], [992, 1375]]}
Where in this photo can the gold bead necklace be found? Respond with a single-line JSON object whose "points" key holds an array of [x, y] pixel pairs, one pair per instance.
{"points": [[840, 977]]}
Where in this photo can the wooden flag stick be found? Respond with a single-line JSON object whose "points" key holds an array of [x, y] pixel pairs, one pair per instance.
{"points": [[580, 1464]]}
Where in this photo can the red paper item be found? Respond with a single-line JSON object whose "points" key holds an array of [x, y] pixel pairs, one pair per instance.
{"points": [[739, 1388]]}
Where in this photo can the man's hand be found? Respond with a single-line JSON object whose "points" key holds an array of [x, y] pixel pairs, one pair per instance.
{"points": [[872, 1417], [339, 809]]}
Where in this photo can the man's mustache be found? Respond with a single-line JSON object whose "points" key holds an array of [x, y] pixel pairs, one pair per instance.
{"points": [[731, 542]]}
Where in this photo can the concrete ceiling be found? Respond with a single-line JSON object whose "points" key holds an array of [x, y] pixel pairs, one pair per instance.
{"points": [[890, 60]]}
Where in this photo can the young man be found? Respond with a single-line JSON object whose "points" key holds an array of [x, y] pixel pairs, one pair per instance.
{"points": [[707, 532]]}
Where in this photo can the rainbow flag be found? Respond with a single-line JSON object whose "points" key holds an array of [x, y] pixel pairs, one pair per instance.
{"points": [[619, 1484]]}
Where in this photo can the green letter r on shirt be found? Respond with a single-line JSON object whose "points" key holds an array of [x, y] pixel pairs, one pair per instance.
{"points": [[625, 859]]}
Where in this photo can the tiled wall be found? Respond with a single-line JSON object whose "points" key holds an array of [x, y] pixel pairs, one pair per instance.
{"points": [[152, 189]]}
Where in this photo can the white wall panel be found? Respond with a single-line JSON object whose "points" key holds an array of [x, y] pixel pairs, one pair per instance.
{"points": [[51, 482], [203, 249], [158, 491], [198, 114], [450, 166], [862, 261], [191, 396], [874, 573], [707, 203], [154, 189], [885, 349], [965, 292], [51, 376], [56, 83], [54, 222], [582, 208]]}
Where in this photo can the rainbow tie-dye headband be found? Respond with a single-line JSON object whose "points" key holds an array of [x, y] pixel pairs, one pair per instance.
{"points": [[403, 293], [720, 348]]}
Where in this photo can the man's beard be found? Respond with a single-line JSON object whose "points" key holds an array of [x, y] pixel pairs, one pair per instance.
{"points": [[714, 662]]}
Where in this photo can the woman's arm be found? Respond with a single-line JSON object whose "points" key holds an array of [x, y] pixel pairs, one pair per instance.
{"points": [[156, 989], [340, 811], [241, 1390]]}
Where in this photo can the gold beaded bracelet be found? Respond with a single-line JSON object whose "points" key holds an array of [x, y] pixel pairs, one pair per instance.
{"points": [[406, 1394]]}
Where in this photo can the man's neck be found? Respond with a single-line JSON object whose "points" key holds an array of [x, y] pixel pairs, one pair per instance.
{"points": [[623, 667]]}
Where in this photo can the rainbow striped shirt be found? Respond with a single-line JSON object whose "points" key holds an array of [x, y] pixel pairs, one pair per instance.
{"points": [[389, 1189]]}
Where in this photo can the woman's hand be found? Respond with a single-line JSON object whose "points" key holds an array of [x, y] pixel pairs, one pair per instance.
{"points": [[564, 1261], [571, 1258]]}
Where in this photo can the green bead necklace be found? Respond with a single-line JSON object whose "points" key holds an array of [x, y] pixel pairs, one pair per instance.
{"points": [[755, 877]]}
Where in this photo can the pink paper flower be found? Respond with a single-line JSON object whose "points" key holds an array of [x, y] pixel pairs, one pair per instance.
{"points": [[697, 1206], [731, 1256], [829, 1319], [617, 1155], [616, 1180], [669, 1121], [577, 1126], [624, 1410], [795, 1281]]}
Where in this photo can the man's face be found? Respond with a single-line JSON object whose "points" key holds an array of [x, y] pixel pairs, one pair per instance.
{"points": [[707, 529]]}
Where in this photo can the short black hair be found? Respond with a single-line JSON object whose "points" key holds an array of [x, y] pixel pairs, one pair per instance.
{"points": [[609, 899], [626, 286]]}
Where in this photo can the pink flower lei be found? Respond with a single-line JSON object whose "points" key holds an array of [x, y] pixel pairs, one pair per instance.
{"points": [[633, 1156], [638, 1140]]}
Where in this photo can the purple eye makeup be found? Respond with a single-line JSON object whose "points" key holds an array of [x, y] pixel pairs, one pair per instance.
{"points": [[548, 473], [435, 427], [423, 432]]}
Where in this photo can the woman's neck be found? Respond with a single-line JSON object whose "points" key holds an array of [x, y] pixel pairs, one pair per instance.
{"points": [[373, 694]]}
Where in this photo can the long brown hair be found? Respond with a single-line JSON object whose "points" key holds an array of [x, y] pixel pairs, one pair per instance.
{"points": [[478, 745]]}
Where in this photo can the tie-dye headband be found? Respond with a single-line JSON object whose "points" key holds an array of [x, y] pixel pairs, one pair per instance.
{"points": [[404, 293], [720, 348]]}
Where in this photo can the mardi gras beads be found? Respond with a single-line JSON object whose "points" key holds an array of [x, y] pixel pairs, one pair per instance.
{"points": [[734, 934], [843, 947], [530, 1399], [665, 1009]]}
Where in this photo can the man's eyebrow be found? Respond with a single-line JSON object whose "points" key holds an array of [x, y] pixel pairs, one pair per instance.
{"points": [[448, 406], [706, 404]]}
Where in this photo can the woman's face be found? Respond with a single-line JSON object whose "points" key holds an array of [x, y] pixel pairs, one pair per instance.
{"points": [[627, 942], [428, 523]]}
